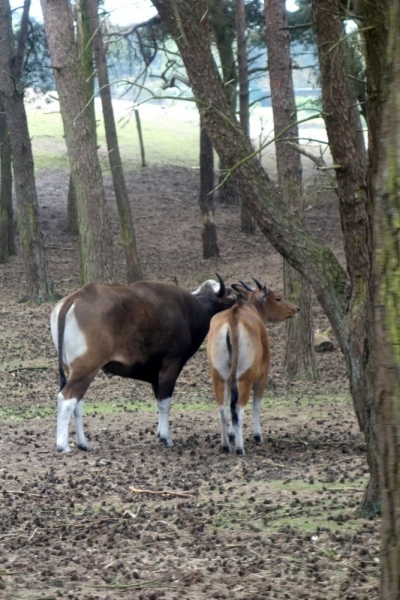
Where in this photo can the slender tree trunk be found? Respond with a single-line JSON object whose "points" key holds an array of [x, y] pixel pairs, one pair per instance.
{"points": [[206, 198], [38, 283], [7, 238], [300, 354], [72, 225], [96, 253], [283, 229], [224, 36], [247, 222], [128, 238]]}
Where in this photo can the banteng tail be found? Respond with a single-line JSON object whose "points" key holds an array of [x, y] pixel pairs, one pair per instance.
{"points": [[232, 342], [60, 342]]}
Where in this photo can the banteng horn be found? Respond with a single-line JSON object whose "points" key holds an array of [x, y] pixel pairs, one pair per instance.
{"points": [[221, 292], [246, 286]]}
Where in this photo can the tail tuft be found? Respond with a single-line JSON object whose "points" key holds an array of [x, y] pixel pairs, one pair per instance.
{"points": [[234, 401]]}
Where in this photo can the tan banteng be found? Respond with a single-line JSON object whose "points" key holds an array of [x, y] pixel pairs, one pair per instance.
{"points": [[239, 355]]}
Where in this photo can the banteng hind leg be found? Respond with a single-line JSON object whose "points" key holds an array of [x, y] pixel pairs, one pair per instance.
{"points": [[70, 402], [221, 390], [244, 391], [258, 390]]}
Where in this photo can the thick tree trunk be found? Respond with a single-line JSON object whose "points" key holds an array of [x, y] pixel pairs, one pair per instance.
{"points": [[32, 248], [281, 227], [128, 238], [352, 192], [7, 238], [96, 253], [247, 222], [386, 425], [300, 354]]}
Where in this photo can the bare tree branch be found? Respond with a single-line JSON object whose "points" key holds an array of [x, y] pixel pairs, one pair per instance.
{"points": [[123, 34]]}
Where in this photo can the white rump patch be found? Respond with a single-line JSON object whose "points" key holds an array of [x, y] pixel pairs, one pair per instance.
{"points": [[210, 283], [74, 339], [220, 359]]}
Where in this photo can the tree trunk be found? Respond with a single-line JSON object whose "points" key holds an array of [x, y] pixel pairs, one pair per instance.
{"points": [[85, 55], [7, 238], [247, 222], [96, 254], [352, 192], [128, 238], [387, 313], [72, 225], [224, 34], [283, 229], [38, 284], [206, 200], [300, 354], [386, 424]]}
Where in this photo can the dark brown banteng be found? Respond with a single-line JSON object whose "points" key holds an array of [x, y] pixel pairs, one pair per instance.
{"points": [[145, 331], [238, 352]]}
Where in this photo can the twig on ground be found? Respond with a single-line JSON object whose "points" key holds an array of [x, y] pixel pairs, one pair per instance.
{"points": [[160, 493]]}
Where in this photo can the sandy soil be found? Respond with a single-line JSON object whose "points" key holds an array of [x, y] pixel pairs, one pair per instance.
{"points": [[277, 523]]}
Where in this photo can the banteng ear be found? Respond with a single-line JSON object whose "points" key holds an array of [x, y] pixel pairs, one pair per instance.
{"points": [[265, 292], [243, 293]]}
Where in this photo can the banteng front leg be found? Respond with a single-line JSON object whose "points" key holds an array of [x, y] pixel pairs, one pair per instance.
{"points": [[163, 391]]}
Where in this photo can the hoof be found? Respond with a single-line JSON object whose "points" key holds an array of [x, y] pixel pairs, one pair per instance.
{"points": [[257, 439], [166, 443], [232, 438], [85, 447], [226, 449], [63, 448], [240, 451]]}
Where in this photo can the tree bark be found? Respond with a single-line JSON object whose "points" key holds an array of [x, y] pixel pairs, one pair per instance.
{"points": [[128, 238], [7, 238], [283, 229], [352, 192], [96, 254], [38, 283], [224, 34], [300, 354], [386, 425], [247, 222], [206, 197]]}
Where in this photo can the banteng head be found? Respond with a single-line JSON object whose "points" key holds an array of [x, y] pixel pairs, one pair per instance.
{"points": [[272, 306]]}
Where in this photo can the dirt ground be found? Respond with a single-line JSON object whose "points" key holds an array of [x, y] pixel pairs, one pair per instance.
{"points": [[276, 523]]}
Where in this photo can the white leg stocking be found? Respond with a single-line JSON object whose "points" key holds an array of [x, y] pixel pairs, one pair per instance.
{"points": [[65, 410], [81, 441], [224, 429], [163, 421], [256, 416]]}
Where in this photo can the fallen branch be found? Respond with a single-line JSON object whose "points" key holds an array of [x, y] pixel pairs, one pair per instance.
{"points": [[160, 493]]}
